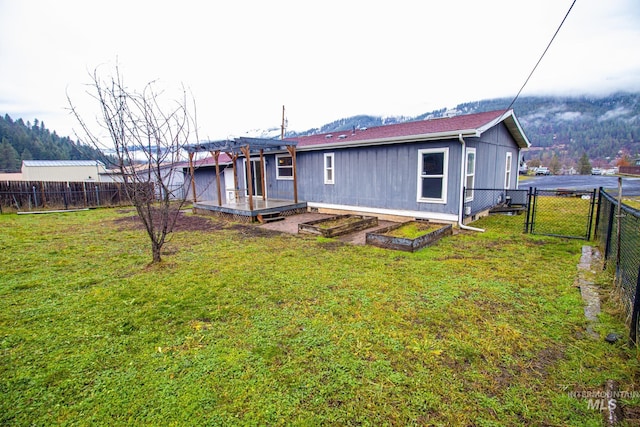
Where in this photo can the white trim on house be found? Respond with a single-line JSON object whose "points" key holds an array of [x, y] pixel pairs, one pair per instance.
{"points": [[508, 170], [468, 196], [329, 168], [444, 175], [254, 162], [382, 211], [278, 167]]}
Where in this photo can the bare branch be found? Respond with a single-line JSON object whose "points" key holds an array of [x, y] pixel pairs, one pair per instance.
{"points": [[147, 135]]}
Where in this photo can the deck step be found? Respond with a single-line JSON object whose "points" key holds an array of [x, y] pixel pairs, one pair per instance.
{"points": [[266, 218]]}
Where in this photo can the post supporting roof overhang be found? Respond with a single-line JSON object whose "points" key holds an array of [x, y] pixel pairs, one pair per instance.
{"points": [[245, 146]]}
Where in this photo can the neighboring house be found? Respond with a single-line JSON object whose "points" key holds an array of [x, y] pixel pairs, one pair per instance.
{"points": [[416, 169], [172, 176], [62, 170], [631, 170]]}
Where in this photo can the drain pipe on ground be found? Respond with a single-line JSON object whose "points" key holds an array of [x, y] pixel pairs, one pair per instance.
{"points": [[462, 181]]}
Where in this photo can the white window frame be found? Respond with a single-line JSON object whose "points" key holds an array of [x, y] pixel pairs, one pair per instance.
{"points": [[283, 177], [444, 175], [508, 169], [469, 198], [329, 170]]}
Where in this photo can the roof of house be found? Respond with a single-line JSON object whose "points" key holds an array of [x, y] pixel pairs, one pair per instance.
{"points": [[470, 125], [62, 163]]}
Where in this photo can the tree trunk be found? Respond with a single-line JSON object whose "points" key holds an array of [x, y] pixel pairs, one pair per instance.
{"points": [[156, 249]]}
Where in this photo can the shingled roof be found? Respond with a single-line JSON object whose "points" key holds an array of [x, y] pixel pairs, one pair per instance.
{"points": [[470, 125]]}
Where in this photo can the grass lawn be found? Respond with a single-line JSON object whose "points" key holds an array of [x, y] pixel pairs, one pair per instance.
{"points": [[633, 202], [240, 326]]}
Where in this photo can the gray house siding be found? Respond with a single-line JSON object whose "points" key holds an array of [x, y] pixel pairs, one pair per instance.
{"points": [[491, 154], [206, 188], [382, 177]]}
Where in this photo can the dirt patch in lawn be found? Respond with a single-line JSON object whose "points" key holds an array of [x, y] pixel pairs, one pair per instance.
{"points": [[248, 231], [184, 222]]}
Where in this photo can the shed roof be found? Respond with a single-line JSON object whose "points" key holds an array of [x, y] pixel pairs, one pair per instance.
{"points": [[61, 163], [431, 129]]}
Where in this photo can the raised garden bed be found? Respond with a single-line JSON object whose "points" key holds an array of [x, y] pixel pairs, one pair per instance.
{"points": [[338, 225], [409, 236]]}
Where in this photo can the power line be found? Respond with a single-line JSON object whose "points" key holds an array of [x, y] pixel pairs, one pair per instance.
{"points": [[541, 56]]}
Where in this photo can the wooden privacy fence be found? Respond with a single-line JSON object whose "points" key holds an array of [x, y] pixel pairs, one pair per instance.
{"points": [[49, 195]]}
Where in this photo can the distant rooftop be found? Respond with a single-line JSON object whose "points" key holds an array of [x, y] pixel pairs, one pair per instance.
{"points": [[62, 163]]}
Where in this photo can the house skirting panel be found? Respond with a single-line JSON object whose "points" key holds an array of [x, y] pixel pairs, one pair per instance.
{"points": [[386, 214]]}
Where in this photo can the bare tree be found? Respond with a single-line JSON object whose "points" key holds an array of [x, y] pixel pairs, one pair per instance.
{"points": [[147, 136]]}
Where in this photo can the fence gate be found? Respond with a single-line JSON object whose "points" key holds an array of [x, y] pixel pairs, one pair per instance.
{"points": [[561, 213]]}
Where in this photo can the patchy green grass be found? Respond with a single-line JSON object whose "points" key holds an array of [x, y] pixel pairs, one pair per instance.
{"points": [[413, 230], [563, 216], [633, 202], [243, 327], [338, 222]]}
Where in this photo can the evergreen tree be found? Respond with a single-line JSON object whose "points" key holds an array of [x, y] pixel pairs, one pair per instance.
{"points": [[9, 158], [554, 164], [26, 154], [584, 165]]}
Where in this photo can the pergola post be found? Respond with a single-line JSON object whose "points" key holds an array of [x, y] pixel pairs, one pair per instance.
{"points": [[193, 178], [216, 155], [262, 181], [292, 150], [234, 158], [247, 154], [234, 148]]}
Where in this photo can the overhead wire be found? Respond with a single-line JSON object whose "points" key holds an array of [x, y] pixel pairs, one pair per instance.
{"points": [[541, 56]]}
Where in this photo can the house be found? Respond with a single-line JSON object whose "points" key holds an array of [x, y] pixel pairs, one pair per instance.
{"points": [[62, 170], [172, 176], [423, 169], [634, 169]]}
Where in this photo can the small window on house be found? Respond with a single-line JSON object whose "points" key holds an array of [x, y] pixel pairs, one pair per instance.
{"points": [[432, 175], [329, 169], [284, 167], [507, 171], [470, 174]]}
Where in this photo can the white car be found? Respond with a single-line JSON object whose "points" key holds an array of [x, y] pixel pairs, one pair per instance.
{"points": [[543, 171]]}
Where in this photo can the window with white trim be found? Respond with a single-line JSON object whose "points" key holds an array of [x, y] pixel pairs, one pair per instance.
{"points": [[432, 175], [470, 174], [284, 167], [329, 169], [507, 171]]}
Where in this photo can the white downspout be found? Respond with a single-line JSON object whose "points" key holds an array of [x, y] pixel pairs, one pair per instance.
{"points": [[463, 162]]}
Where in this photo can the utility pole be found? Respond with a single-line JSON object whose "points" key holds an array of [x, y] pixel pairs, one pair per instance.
{"points": [[282, 127]]}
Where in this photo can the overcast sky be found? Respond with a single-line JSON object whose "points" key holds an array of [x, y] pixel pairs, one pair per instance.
{"points": [[323, 60]]}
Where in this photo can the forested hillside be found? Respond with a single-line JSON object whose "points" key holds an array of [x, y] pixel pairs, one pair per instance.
{"points": [[602, 127], [25, 141]]}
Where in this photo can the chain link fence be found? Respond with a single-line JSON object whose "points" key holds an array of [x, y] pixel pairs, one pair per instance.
{"points": [[480, 202], [618, 235], [562, 213]]}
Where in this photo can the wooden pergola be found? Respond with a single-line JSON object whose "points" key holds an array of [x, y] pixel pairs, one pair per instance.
{"points": [[245, 146]]}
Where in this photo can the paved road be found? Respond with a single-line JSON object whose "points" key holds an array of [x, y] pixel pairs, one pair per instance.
{"points": [[630, 186]]}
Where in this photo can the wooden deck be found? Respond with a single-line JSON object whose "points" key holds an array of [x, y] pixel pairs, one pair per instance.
{"points": [[240, 210]]}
